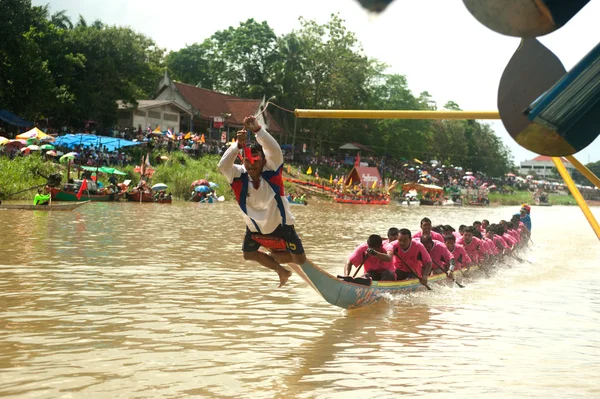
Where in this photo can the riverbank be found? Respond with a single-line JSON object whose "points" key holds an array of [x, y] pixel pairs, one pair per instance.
{"points": [[178, 172], [524, 197]]}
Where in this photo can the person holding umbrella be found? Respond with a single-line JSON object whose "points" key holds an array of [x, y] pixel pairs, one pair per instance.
{"points": [[258, 188]]}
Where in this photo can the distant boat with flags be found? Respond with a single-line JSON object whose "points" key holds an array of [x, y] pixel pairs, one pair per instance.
{"points": [[363, 186]]}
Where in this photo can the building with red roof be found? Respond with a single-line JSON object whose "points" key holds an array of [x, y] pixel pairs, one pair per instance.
{"points": [[211, 112]]}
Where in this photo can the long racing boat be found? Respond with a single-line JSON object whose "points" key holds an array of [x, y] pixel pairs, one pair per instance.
{"points": [[349, 295]]}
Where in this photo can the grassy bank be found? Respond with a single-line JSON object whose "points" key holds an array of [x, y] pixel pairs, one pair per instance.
{"points": [[178, 173], [524, 197], [22, 173]]}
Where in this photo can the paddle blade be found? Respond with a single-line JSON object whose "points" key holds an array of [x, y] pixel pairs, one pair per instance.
{"points": [[531, 71], [524, 18]]}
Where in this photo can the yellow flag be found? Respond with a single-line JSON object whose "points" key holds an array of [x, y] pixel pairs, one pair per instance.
{"points": [[350, 183], [157, 130], [417, 161], [202, 140], [188, 136], [374, 185], [330, 179], [309, 171]]}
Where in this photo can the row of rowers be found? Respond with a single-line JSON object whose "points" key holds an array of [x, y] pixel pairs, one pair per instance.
{"points": [[428, 251]]}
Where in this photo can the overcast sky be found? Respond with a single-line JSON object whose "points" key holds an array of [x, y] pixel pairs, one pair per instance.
{"points": [[437, 44]]}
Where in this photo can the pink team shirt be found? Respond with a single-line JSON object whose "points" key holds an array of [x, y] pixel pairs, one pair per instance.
{"points": [[433, 234], [440, 254], [509, 239], [515, 234], [414, 256], [371, 262], [491, 246], [460, 256], [474, 248]]}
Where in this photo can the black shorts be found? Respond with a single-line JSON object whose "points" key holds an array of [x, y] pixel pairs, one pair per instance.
{"points": [[287, 233], [402, 275]]}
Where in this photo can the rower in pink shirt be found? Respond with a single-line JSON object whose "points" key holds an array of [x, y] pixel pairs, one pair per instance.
{"points": [[412, 253], [461, 257], [426, 230], [392, 235], [441, 257], [376, 257], [472, 245], [491, 245]]}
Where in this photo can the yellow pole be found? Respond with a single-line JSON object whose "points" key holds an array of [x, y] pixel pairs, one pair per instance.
{"points": [[577, 195], [393, 114], [584, 171]]}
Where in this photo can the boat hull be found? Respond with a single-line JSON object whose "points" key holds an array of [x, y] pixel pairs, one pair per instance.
{"points": [[60, 195], [352, 296], [49, 207], [135, 197], [362, 201]]}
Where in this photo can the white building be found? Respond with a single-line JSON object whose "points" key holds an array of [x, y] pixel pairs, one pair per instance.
{"points": [[153, 113], [543, 167]]}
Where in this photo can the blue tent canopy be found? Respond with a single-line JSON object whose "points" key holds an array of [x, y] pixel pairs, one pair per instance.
{"points": [[13, 119], [91, 140]]}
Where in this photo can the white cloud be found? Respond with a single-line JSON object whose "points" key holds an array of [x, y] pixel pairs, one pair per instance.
{"points": [[436, 43]]}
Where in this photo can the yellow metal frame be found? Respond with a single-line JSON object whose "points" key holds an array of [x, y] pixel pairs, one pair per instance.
{"points": [[392, 114], [575, 192], [407, 114]]}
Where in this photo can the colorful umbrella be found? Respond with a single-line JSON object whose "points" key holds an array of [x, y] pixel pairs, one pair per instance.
{"points": [[51, 153], [212, 184], [33, 147], [66, 158], [3, 140], [25, 150], [47, 147], [159, 186], [202, 189]]}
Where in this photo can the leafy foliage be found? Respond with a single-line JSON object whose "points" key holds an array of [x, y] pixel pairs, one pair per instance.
{"points": [[68, 73]]}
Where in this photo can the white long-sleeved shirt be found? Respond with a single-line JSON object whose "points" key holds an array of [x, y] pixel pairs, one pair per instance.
{"points": [[260, 204]]}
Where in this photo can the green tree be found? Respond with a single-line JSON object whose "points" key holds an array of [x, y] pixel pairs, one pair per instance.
{"points": [[192, 65]]}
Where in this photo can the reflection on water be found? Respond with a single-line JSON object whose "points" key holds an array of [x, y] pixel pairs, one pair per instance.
{"points": [[130, 300]]}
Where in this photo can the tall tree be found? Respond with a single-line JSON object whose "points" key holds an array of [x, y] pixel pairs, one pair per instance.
{"points": [[192, 65]]}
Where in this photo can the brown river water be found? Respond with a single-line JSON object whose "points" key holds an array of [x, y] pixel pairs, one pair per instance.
{"points": [[155, 301]]}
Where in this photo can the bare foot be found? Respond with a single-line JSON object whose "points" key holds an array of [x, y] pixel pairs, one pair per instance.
{"points": [[284, 275]]}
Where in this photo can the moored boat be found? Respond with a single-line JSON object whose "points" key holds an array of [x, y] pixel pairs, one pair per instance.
{"points": [[349, 295], [49, 207], [62, 195], [362, 199], [134, 196]]}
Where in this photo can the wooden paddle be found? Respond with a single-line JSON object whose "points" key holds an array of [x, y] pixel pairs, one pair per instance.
{"points": [[413, 272], [447, 274]]}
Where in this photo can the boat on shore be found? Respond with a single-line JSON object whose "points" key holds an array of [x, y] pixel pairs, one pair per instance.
{"points": [[429, 194], [49, 207], [71, 196], [134, 196], [350, 295]]}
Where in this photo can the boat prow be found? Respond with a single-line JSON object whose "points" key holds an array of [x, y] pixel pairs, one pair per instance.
{"points": [[349, 295]]}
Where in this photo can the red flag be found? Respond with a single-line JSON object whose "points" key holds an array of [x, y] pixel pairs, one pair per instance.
{"points": [[357, 162], [83, 187]]}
